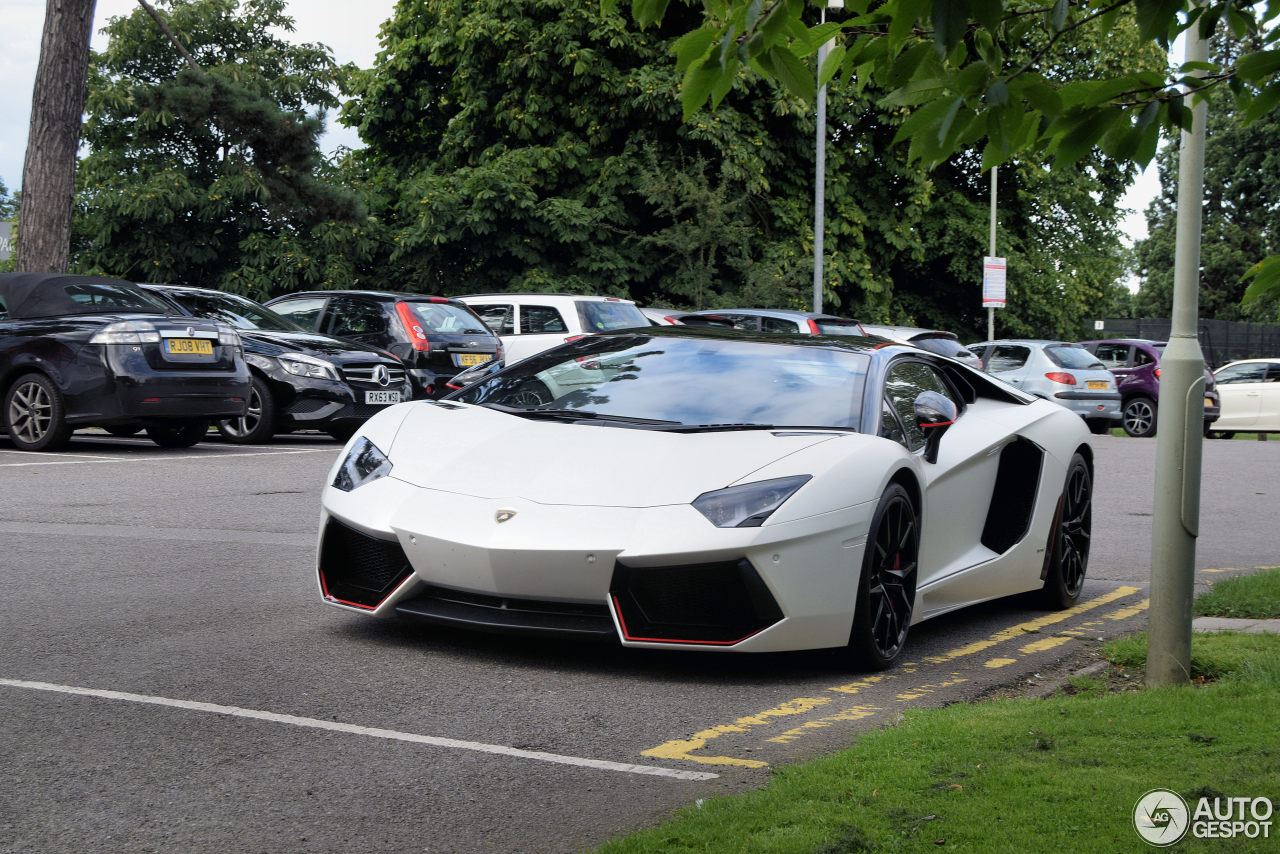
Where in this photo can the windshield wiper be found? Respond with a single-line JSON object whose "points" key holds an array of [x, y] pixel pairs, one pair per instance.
{"points": [[581, 415]]}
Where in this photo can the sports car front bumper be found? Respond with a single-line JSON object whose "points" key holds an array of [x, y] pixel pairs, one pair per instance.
{"points": [[650, 577]]}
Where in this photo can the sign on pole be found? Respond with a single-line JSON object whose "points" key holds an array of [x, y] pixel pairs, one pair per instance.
{"points": [[993, 282]]}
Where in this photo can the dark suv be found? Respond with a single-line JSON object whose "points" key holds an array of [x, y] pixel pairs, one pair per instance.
{"points": [[435, 337], [1135, 362], [301, 380]]}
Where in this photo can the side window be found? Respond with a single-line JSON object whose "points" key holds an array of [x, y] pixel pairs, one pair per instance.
{"points": [[355, 317], [774, 324], [497, 317], [743, 321], [904, 384], [304, 312], [1273, 373], [1142, 357], [1241, 374], [1007, 357], [890, 427], [1113, 355], [4, 310], [535, 319]]}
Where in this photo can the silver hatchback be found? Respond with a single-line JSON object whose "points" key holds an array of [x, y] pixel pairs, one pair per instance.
{"points": [[1060, 371]]}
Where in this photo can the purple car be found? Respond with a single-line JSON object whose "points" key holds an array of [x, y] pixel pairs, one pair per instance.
{"points": [[1136, 365]]}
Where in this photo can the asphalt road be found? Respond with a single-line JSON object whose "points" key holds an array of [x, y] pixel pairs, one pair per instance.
{"points": [[169, 680]]}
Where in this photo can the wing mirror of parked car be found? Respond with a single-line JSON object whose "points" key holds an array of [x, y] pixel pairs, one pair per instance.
{"points": [[935, 413]]}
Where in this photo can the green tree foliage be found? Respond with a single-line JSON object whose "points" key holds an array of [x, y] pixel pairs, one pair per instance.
{"points": [[1240, 217], [212, 176], [945, 60], [540, 145]]}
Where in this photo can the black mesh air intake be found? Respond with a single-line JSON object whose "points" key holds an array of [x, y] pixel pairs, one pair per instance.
{"points": [[357, 569], [708, 603]]}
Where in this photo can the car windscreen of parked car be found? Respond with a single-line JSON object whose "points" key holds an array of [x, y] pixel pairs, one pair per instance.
{"points": [[682, 382]]}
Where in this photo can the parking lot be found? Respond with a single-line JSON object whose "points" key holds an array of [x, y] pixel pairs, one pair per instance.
{"points": [[169, 679]]}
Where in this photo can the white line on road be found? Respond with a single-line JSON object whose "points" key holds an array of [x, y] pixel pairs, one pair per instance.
{"points": [[373, 732], [220, 455]]}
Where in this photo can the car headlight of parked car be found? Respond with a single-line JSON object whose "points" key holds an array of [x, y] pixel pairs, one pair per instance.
{"points": [[749, 504], [308, 366], [364, 463]]}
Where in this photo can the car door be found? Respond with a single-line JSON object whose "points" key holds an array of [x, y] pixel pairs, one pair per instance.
{"points": [[1269, 414], [1009, 362], [1240, 392]]}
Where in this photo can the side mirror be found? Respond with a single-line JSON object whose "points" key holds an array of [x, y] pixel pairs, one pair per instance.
{"points": [[935, 413]]}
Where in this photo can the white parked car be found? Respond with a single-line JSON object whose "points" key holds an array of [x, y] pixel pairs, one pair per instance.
{"points": [[830, 493], [531, 323], [1250, 397], [934, 340]]}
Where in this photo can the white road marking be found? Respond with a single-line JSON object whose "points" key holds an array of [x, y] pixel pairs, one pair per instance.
{"points": [[220, 455], [353, 729]]}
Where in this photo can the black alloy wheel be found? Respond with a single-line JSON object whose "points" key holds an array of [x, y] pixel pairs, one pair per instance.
{"points": [[258, 424], [887, 587], [531, 393], [1070, 537], [35, 414], [1140, 417], [178, 434]]}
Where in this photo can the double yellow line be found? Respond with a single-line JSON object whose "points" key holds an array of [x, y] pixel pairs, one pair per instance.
{"points": [[688, 749]]}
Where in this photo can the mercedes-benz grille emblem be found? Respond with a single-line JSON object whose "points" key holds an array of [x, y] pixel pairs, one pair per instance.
{"points": [[504, 516], [381, 375]]}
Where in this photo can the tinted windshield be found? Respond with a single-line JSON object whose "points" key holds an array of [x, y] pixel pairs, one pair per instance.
{"points": [[598, 316], [685, 381], [233, 310], [1072, 357]]}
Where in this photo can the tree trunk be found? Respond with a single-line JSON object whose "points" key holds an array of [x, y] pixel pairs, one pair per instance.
{"points": [[57, 107]]}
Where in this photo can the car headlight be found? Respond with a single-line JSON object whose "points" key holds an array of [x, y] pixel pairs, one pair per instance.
{"points": [[364, 463], [301, 365], [126, 332], [748, 505]]}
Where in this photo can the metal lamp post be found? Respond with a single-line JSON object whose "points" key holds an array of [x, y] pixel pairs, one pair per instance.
{"points": [[820, 172]]}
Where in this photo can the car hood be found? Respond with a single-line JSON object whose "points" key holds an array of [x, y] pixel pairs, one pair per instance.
{"points": [[481, 452], [266, 343]]}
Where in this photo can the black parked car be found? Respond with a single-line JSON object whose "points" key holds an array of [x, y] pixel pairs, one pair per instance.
{"points": [[301, 379], [92, 351], [435, 337]]}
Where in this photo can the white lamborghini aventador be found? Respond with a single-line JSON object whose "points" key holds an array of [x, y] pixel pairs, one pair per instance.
{"points": [[818, 492]]}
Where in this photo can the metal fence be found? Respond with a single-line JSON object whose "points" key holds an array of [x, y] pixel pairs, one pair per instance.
{"points": [[1221, 340]]}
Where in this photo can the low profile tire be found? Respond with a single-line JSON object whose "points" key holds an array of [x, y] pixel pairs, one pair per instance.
{"points": [[124, 431], [258, 424], [179, 434], [1139, 418], [1099, 426], [35, 414], [887, 587], [531, 393], [1068, 547]]}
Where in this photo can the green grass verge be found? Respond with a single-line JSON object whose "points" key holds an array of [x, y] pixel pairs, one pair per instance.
{"points": [[1255, 596], [1059, 774]]}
